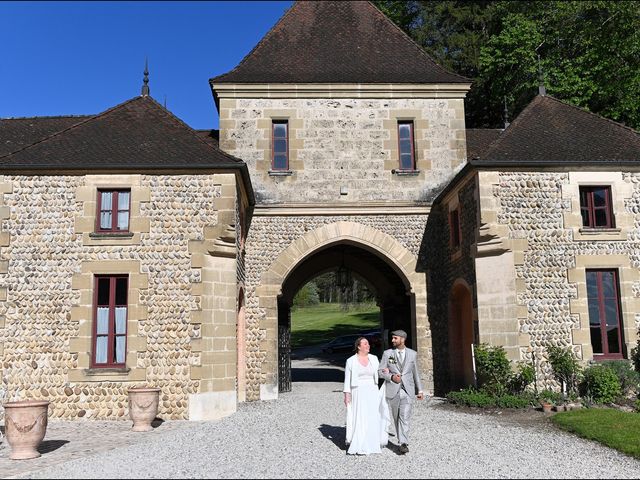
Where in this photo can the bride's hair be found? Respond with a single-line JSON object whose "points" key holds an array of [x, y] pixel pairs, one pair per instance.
{"points": [[356, 345]]}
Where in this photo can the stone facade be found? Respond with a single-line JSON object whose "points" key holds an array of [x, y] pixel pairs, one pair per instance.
{"points": [[181, 265], [345, 142]]}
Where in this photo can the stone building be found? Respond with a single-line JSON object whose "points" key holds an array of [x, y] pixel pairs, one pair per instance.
{"points": [[342, 145]]}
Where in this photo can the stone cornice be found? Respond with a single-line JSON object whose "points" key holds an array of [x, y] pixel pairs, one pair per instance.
{"points": [[364, 208], [340, 90]]}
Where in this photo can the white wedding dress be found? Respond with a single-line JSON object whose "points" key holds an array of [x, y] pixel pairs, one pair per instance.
{"points": [[367, 414]]}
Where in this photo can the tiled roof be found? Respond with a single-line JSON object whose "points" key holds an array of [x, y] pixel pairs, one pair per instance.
{"points": [[337, 42], [211, 136], [17, 133], [551, 132], [138, 133], [479, 140]]}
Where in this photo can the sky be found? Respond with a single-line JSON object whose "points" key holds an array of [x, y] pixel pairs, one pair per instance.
{"points": [[79, 58]]}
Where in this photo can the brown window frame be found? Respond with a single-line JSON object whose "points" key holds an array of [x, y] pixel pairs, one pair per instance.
{"points": [[455, 231], [273, 144], [111, 327], [413, 146], [114, 210], [602, 326], [590, 207]]}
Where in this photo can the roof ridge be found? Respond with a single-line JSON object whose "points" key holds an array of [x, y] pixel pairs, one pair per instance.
{"points": [[583, 110], [75, 125], [78, 115], [194, 133], [414, 43], [262, 40], [507, 131]]}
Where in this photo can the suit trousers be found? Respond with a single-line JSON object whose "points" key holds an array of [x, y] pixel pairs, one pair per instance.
{"points": [[401, 406]]}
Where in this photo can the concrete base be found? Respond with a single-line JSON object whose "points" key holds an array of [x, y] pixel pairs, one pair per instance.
{"points": [[269, 392], [212, 405]]}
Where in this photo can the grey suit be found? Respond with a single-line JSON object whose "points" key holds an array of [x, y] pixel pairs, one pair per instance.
{"points": [[401, 395]]}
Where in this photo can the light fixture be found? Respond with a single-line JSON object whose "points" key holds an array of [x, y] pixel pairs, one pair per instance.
{"points": [[343, 275]]}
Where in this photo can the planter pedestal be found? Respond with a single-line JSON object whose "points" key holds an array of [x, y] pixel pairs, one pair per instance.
{"points": [[25, 427], [143, 407]]}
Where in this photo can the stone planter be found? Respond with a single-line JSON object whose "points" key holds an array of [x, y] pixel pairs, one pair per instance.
{"points": [[25, 426], [560, 408], [546, 407], [143, 407]]}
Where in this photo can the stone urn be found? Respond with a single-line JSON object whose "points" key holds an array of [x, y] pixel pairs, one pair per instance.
{"points": [[143, 407], [25, 426]]}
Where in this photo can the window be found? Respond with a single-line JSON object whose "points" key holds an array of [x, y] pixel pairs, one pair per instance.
{"points": [[604, 313], [280, 145], [113, 210], [110, 321], [405, 145], [455, 236], [595, 207]]}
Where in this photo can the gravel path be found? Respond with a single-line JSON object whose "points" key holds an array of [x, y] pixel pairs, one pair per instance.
{"points": [[301, 436]]}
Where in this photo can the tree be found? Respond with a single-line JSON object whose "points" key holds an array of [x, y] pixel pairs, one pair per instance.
{"points": [[589, 52], [307, 295]]}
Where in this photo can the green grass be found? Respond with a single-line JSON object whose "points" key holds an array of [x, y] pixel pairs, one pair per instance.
{"points": [[613, 428], [325, 321]]}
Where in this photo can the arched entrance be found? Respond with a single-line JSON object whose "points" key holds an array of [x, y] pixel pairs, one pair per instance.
{"points": [[375, 256], [391, 294], [461, 335]]}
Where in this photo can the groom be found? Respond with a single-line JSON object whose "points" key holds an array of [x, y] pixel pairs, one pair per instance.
{"points": [[399, 369]]}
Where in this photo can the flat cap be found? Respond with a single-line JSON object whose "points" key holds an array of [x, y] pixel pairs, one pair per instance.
{"points": [[399, 333]]}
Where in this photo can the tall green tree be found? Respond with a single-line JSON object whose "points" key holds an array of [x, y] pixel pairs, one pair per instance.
{"points": [[588, 52]]}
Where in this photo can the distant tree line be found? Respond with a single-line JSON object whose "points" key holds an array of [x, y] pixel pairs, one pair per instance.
{"points": [[589, 52], [323, 289]]}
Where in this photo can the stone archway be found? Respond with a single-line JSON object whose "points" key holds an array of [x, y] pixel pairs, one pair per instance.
{"points": [[384, 246], [461, 335]]}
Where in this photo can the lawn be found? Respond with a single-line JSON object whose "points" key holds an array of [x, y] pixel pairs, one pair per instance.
{"points": [[320, 323], [613, 428]]}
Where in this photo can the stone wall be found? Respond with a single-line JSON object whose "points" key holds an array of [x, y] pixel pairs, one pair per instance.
{"points": [[270, 236], [536, 216], [47, 259], [345, 143]]}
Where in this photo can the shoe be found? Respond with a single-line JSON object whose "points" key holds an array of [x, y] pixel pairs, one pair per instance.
{"points": [[404, 448]]}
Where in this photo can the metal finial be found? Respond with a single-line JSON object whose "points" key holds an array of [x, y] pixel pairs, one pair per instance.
{"points": [[541, 89], [165, 102], [145, 87], [506, 113]]}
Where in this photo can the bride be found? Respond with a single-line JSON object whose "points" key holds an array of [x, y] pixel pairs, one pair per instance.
{"points": [[367, 409]]}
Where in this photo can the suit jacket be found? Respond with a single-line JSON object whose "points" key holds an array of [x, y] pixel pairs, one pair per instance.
{"points": [[351, 371], [410, 379]]}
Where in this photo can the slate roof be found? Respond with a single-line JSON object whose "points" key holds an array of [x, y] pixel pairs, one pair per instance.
{"points": [[337, 42], [551, 132], [17, 133], [138, 133], [479, 140]]}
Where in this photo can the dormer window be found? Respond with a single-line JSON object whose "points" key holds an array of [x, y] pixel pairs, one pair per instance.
{"points": [[595, 207], [113, 210], [406, 147], [280, 145]]}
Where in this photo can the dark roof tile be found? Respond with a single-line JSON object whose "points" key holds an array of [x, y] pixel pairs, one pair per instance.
{"points": [[337, 42], [17, 133], [138, 133], [549, 131], [479, 140]]}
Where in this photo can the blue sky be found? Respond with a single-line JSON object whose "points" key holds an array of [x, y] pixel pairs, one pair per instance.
{"points": [[62, 58]]}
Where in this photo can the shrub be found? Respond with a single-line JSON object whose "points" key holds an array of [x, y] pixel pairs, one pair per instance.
{"points": [[525, 376], [493, 369], [471, 397], [601, 384], [635, 358], [550, 396], [514, 401], [565, 367], [629, 379]]}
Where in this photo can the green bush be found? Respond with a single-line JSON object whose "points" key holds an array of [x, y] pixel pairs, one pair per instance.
{"points": [[515, 401], [493, 369], [601, 384], [629, 379], [548, 395], [525, 376], [471, 397], [635, 357], [565, 367]]}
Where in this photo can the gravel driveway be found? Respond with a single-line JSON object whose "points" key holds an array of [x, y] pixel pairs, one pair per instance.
{"points": [[301, 435]]}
